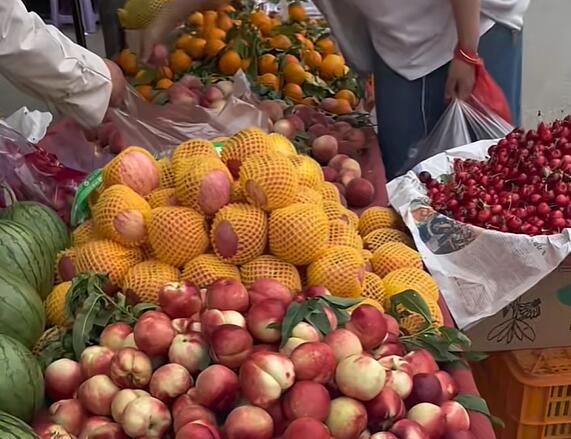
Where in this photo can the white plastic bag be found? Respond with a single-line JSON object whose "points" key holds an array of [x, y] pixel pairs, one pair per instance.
{"points": [[463, 122]]}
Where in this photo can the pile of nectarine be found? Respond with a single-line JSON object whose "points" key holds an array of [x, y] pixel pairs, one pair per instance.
{"points": [[212, 363]]}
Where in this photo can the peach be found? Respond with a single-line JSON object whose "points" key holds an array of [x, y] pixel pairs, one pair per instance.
{"points": [[408, 429], [383, 435], [182, 325], [306, 400], [191, 351], [154, 333], [198, 430], [227, 295], [392, 325], [324, 148], [386, 406], [347, 418], [264, 318], [93, 423], [170, 381], [399, 374], [95, 360], [266, 347], [457, 418], [97, 393], [343, 343], [388, 349], [301, 333], [109, 430], [62, 379], [459, 435], [183, 402], [333, 323], [425, 388], [50, 431], [180, 299], [263, 289], [193, 413], [122, 399], [131, 369], [114, 335], [422, 361], [312, 292], [70, 414], [249, 422], [129, 342], [306, 428], [146, 416], [368, 323], [217, 387], [212, 318], [337, 161], [314, 361], [430, 417], [264, 376], [280, 422], [230, 345], [360, 192], [360, 377], [449, 386]]}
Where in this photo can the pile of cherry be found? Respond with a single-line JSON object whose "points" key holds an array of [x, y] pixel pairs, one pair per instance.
{"points": [[524, 187]]}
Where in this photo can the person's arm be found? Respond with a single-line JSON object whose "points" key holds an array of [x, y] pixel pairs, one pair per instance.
{"points": [[42, 61], [461, 74]]}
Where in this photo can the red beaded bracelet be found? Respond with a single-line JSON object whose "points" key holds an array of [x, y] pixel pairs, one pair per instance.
{"points": [[467, 56]]}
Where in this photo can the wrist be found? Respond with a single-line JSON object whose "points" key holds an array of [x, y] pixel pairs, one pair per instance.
{"points": [[467, 56]]}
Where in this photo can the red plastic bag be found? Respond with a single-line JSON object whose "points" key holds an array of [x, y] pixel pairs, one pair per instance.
{"points": [[489, 94], [34, 174]]}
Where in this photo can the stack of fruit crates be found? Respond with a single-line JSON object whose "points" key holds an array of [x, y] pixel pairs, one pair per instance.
{"points": [[530, 390]]}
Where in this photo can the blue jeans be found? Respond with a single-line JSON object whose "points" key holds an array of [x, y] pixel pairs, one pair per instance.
{"points": [[408, 110]]}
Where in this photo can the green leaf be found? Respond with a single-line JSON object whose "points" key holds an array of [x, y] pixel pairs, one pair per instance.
{"points": [[456, 337], [413, 302], [84, 323], [295, 314], [146, 77], [476, 403], [475, 356], [319, 320], [339, 302], [141, 308]]}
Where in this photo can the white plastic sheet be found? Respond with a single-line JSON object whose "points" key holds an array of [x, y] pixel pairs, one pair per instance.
{"points": [[478, 271]]}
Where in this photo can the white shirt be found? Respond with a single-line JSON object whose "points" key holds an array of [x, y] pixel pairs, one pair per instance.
{"points": [[414, 37], [40, 60]]}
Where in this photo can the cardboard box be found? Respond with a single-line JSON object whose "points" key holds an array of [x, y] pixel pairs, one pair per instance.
{"points": [[541, 318]]}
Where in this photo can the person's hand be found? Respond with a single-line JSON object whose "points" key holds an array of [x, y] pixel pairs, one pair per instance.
{"points": [[461, 80], [118, 84]]}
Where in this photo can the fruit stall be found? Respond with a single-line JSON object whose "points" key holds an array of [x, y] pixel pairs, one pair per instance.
{"points": [[239, 274]]}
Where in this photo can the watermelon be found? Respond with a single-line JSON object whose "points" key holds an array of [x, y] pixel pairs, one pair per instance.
{"points": [[42, 220], [14, 428], [23, 255], [21, 380], [21, 310]]}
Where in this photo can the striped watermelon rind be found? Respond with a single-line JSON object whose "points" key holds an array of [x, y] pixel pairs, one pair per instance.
{"points": [[22, 313], [21, 380], [14, 428], [41, 220], [22, 255]]}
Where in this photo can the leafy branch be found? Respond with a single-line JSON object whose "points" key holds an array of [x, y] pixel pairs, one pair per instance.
{"points": [[447, 345], [91, 310], [313, 311]]}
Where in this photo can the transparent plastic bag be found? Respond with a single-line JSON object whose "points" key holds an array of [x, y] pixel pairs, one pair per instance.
{"points": [[462, 122], [34, 174]]}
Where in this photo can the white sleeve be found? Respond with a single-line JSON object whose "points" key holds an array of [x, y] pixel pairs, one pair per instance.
{"points": [[40, 60]]}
